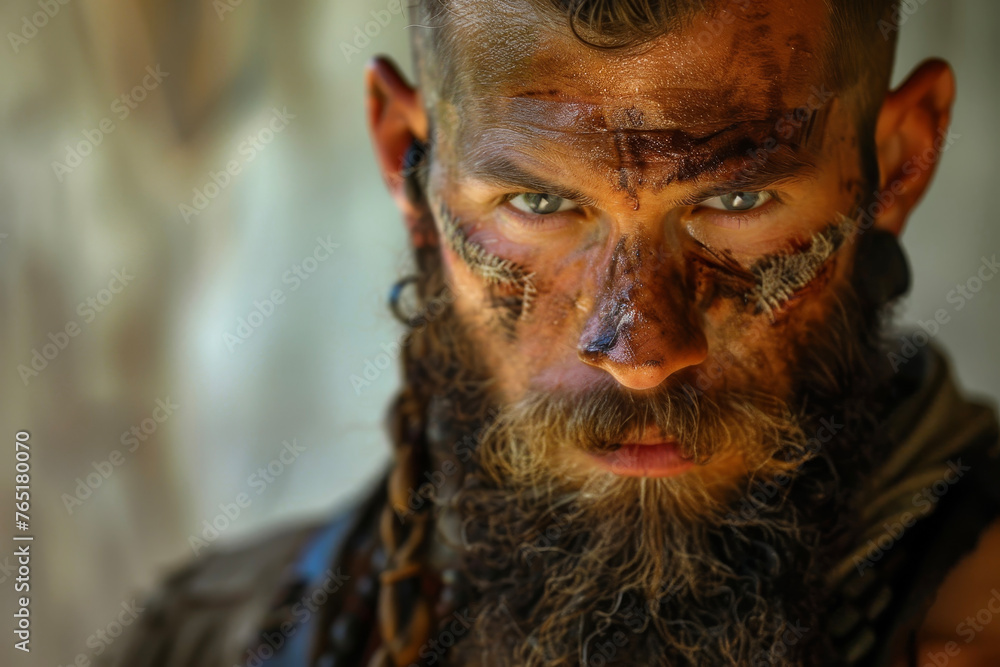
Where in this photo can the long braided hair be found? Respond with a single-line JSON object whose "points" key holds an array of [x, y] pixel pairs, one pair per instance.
{"points": [[404, 614]]}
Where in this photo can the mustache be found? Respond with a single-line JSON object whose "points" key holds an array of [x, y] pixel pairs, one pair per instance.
{"points": [[703, 424]]}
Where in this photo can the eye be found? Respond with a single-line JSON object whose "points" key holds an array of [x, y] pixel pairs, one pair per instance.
{"points": [[540, 204], [737, 201]]}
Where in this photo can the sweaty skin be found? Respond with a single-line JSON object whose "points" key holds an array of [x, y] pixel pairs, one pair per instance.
{"points": [[648, 149], [638, 140]]}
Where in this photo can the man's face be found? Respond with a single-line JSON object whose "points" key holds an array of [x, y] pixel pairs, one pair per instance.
{"points": [[644, 219]]}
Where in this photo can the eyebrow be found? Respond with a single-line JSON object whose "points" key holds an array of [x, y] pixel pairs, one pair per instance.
{"points": [[502, 172], [783, 165]]}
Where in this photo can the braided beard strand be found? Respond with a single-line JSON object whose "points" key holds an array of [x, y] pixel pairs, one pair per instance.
{"points": [[563, 570]]}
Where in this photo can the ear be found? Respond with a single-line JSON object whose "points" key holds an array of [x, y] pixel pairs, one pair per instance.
{"points": [[396, 117], [910, 135]]}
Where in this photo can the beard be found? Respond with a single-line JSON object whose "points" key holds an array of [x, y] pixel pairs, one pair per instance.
{"points": [[562, 567]]}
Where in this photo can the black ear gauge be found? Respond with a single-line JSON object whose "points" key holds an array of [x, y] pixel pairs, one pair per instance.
{"points": [[413, 162], [882, 272]]}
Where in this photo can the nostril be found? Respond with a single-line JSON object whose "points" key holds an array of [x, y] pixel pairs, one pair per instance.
{"points": [[602, 344]]}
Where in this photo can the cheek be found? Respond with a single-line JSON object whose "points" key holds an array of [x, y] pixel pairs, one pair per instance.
{"points": [[748, 354], [539, 347], [748, 348], [751, 350]]}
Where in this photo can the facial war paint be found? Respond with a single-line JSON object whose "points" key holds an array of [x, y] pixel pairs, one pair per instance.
{"points": [[493, 270], [777, 278], [780, 277]]}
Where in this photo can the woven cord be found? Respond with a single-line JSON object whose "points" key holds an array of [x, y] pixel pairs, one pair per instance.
{"points": [[405, 624]]}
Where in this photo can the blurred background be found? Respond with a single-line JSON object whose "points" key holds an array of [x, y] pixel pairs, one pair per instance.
{"points": [[195, 249]]}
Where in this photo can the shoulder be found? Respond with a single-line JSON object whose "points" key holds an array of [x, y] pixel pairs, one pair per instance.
{"points": [[963, 624], [208, 612], [958, 628]]}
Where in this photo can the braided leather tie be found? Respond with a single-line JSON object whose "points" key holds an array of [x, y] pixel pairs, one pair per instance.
{"points": [[402, 541]]}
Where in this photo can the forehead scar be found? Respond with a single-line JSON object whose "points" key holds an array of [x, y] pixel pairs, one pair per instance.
{"points": [[494, 270]]}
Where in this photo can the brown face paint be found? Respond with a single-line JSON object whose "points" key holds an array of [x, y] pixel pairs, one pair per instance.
{"points": [[634, 151], [771, 281], [719, 275], [632, 113], [493, 270], [619, 316], [644, 316]]}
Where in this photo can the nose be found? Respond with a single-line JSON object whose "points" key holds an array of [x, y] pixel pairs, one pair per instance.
{"points": [[644, 326]]}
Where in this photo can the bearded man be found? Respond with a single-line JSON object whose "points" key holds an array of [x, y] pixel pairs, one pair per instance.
{"points": [[648, 415]]}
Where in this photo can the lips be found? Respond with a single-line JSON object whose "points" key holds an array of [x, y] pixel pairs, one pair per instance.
{"points": [[661, 458]]}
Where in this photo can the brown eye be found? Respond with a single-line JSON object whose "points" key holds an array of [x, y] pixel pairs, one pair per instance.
{"points": [[541, 204]]}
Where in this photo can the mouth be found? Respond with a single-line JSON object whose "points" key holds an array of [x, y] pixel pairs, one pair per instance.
{"points": [[654, 458]]}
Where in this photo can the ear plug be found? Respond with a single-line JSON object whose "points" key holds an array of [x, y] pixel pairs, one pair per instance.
{"points": [[413, 164]]}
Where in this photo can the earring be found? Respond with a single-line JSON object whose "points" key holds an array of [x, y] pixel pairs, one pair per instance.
{"points": [[395, 293]]}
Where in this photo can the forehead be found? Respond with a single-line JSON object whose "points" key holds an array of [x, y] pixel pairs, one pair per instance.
{"points": [[517, 72]]}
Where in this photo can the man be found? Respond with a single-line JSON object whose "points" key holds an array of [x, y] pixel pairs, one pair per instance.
{"points": [[648, 415]]}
